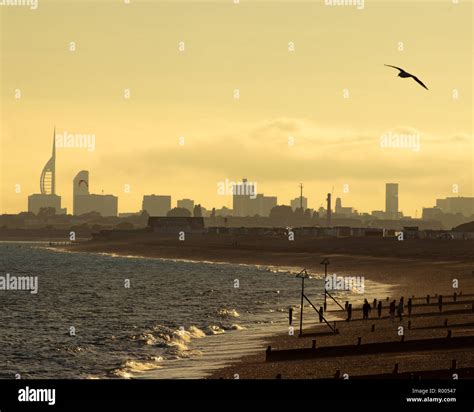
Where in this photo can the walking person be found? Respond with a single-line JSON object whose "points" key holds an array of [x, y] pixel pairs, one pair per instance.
{"points": [[379, 309], [365, 310]]}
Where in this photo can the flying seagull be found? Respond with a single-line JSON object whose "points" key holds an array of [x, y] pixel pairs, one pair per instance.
{"points": [[405, 74]]}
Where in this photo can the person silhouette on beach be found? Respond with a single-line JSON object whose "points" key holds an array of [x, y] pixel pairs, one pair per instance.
{"points": [[379, 309], [365, 310], [392, 310], [349, 312], [409, 305], [400, 309]]}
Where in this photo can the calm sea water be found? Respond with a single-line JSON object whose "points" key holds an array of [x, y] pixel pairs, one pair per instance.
{"points": [[177, 319]]}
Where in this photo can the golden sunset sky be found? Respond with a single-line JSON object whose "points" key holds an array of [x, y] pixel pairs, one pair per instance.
{"points": [[284, 94]]}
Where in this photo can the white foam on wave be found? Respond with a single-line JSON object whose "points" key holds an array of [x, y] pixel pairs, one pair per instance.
{"points": [[135, 366], [228, 313], [215, 330], [195, 332]]}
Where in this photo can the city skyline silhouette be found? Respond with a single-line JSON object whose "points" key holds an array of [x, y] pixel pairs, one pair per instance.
{"points": [[180, 98]]}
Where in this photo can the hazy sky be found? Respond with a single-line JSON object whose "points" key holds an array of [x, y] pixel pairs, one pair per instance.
{"points": [[307, 73]]}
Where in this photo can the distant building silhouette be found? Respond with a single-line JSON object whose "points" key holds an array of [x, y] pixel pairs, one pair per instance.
{"points": [[431, 213], [47, 198], [246, 201], [241, 198], [80, 187], [342, 211], [224, 212], [266, 204], [84, 202], [186, 204], [156, 205], [328, 210], [391, 200], [295, 203], [462, 205]]}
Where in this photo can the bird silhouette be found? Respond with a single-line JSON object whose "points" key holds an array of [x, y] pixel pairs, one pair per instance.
{"points": [[405, 74]]}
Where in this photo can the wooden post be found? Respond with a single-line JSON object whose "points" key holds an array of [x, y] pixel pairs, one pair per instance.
{"points": [[359, 341], [268, 352], [373, 328], [314, 344], [301, 310]]}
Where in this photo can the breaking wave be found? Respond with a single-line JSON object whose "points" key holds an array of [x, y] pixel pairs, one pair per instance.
{"points": [[228, 313]]}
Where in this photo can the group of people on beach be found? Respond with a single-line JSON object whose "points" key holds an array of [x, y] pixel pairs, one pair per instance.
{"points": [[393, 308]]}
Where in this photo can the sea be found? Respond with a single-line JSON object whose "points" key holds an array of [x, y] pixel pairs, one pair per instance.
{"points": [[99, 316]]}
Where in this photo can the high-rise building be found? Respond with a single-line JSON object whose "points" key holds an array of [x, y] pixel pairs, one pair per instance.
{"points": [[246, 201], [47, 198], [391, 200], [297, 201], [156, 205], [84, 202], [328, 210], [80, 187], [187, 204], [242, 195]]}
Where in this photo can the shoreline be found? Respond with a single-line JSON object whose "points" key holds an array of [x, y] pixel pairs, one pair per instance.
{"points": [[418, 275], [402, 276], [264, 336]]}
